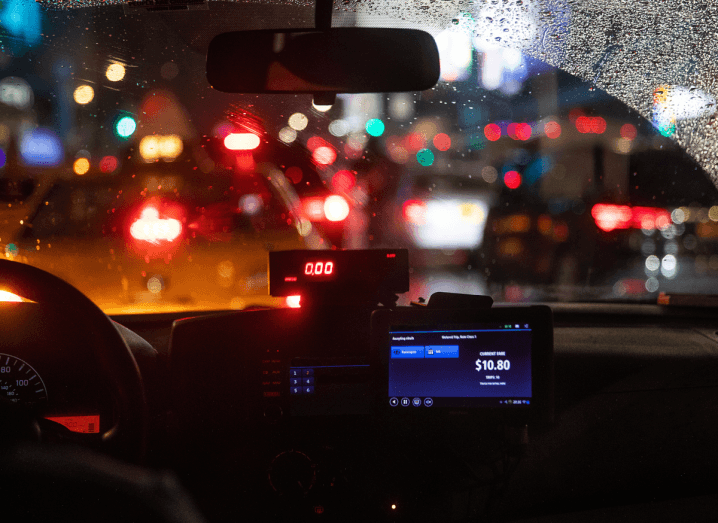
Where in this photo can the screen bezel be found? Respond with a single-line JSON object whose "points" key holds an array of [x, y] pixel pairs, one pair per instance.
{"points": [[539, 316]]}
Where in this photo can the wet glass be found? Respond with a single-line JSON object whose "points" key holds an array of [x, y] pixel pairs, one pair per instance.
{"points": [[566, 153]]}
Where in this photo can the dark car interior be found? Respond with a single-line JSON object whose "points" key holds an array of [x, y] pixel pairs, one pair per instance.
{"points": [[199, 417], [351, 407]]}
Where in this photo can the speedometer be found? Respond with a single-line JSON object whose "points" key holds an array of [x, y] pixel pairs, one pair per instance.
{"points": [[19, 382]]}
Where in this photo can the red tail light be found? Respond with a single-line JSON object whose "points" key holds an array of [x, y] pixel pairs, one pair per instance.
{"points": [[241, 141], [151, 228], [415, 212], [586, 124], [609, 217], [336, 208], [314, 208]]}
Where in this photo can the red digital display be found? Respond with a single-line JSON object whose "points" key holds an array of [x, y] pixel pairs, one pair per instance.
{"points": [[319, 268], [83, 424], [339, 274]]}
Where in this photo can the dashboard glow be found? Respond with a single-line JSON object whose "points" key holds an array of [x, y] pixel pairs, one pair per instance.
{"points": [[293, 302], [83, 424], [9, 296]]}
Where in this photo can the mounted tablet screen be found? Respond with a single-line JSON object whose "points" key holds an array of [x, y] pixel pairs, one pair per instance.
{"points": [[479, 365], [496, 360]]}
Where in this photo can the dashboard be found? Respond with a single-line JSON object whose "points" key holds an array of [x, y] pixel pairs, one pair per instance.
{"points": [[633, 383], [321, 412], [55, 371]]}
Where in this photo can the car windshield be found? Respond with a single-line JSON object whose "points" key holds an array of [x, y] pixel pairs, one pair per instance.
{"points": [[566, 153]]}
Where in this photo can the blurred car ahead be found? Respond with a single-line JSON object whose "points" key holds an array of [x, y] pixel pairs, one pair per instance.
{"points": [[158, 239]]}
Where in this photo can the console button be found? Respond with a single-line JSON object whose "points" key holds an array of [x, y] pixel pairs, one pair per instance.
{"points": [[394, 402], [295, 373], [308, 390], [295, 381], [296, 390], [308, 381], [405, 402], [428, 402], [416, 402], [307, 372]]}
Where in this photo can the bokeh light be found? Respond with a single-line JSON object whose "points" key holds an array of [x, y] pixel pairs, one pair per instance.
{"points": [[343, 181], [552, 129], [15, 91], [84, 94], [241, 141], [628, 131], [155, 284], [324, 155], [321, 108], [171, 146], [336, 208], [125, 126], [287, 135], [166, 147], [294, 174], [425, 157], [169, 70], [108, 164], [298, 121], [492, 132], [587, 125], [489, 174], [316, 141], [512, 179], [81, 166], [41, 147], [151, 228], [622, 145], [11, 251], [115, 72], [652, 284], [149, 148], [251, 204], [523, 131], [442, 142], [314, 208], [375, 127], [338, 128], [396, 149], [414, 142]]}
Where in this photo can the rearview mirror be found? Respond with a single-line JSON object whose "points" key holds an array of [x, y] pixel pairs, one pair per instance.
{"points": [[351, 60]]}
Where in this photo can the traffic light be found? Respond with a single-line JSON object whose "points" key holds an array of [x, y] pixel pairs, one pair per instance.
{"points": [[125, 126]]}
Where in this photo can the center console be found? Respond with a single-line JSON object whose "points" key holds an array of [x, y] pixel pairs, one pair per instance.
{"points": [[294, 410]]}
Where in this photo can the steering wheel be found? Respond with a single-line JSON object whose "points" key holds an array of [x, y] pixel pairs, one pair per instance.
{"points": [[58, 300]]}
